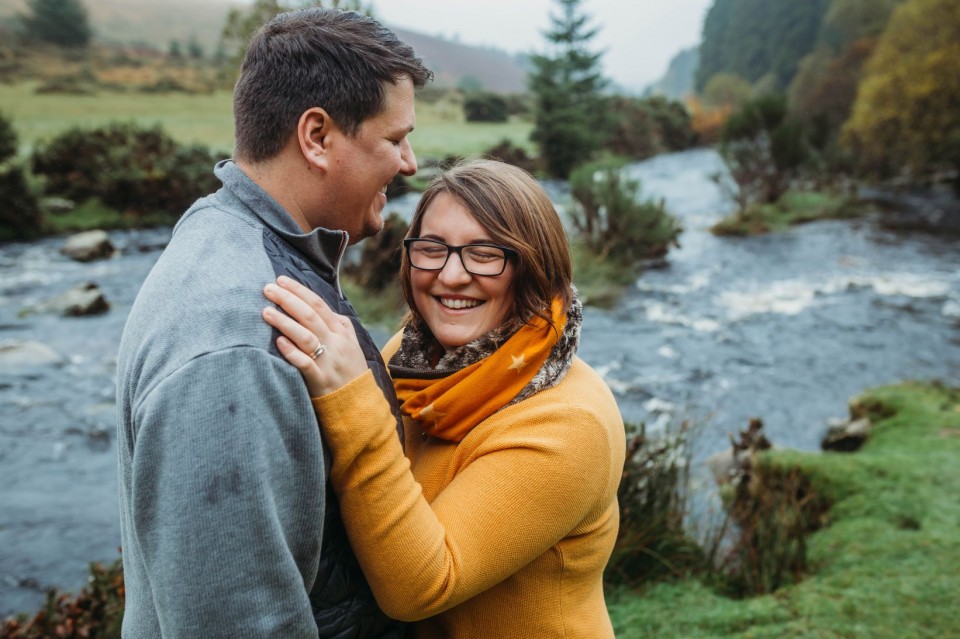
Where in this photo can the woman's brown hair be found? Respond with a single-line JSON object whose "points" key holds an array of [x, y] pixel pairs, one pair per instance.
{"points": [[512, 206]]}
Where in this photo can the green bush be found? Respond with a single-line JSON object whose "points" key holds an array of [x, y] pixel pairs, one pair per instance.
{"points": [[485, 107], [8, 139], [136, 170], [20, 215], [611, 219], [510, 153], [764, 150], [643, 128]]}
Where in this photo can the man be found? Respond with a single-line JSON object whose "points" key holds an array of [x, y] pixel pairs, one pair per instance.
{"points": [[228, 529]]}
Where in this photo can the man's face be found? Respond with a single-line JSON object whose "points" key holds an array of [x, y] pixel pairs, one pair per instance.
{"points": [[363, 165]]}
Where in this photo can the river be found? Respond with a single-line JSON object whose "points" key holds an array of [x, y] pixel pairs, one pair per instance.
{"points": [[786, 327]]}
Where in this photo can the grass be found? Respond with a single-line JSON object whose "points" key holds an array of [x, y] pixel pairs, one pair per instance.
{"points": [[886, 565], [92, 214], [207, 119], [795, 207], [189, 118]]}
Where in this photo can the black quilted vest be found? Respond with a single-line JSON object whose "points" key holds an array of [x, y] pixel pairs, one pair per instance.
{"points": [[343, 605]]}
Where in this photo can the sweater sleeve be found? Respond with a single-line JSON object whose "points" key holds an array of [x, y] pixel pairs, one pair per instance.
{"points": [[522, 491], [228, 503]]}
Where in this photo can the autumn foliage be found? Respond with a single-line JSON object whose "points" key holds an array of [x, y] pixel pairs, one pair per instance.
{"points": [[95, 613], [907, 111]]}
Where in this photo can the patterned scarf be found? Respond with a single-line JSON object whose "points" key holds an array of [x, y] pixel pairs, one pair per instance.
{"points": [[472, 382]]}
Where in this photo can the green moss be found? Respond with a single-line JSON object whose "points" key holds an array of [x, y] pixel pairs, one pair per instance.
{"points": [[795, 207], [887, 563]]}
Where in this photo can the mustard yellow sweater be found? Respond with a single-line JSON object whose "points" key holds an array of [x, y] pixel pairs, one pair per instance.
{"points": [[504, 534]]}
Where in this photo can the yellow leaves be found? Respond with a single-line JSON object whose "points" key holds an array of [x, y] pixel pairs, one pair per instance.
{"points": [[909, 98]]}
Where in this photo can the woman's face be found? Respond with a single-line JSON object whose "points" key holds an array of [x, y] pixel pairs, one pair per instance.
{"points": [[457, 306]]}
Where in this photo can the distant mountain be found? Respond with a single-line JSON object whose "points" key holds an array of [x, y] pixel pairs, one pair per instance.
{"points": [[152, 22], [456, 64], [677, 82], [159, 22]]}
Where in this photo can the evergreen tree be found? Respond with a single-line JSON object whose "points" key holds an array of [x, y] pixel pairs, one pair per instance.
{"points": [[571, 120], [61, 22], [753, 38]]}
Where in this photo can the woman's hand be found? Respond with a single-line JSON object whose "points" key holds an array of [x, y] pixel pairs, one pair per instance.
{"points": [[308, 325]]}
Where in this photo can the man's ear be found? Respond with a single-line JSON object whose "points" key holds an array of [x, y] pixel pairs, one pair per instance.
{"points": [[313, 134]]}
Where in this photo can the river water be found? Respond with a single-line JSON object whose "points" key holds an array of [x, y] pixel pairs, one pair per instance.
{"points": [[786, 327]]}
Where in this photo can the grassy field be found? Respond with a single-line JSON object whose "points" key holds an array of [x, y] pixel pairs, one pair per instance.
{"points": [[207, 119], [886, 566]]}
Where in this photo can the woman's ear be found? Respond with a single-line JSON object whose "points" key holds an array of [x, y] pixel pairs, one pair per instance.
{"points": [[313, 134]]}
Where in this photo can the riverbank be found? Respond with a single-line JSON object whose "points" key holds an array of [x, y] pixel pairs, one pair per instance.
{"points": [[887, 564], [795, 207]]}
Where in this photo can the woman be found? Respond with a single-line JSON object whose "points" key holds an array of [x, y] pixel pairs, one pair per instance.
{"points": [[501, 517]]}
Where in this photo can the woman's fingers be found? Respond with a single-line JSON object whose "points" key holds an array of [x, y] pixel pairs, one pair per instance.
{"points": [[316, 383], [296, 308], [311, 299], [303, 338], [306, 322]]}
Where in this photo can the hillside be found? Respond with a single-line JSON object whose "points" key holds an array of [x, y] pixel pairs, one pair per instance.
{"points": [[159, 22]]}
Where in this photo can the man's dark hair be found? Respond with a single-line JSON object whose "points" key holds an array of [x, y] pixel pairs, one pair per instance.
{"points": [[328, 58]]}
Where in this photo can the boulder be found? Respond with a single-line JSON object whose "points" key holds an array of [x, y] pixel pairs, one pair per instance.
{"points": [[846, 436], [83, 299], [57, 205], [25, 357], [88, 246]]}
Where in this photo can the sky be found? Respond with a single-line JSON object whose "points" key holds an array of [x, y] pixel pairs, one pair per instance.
{"points": [[639, 37]]}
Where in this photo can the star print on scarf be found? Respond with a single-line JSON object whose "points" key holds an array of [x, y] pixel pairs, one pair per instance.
{"points": [[449, 404]]}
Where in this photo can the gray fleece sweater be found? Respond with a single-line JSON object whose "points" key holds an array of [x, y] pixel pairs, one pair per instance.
{"points": [[223, 499]]}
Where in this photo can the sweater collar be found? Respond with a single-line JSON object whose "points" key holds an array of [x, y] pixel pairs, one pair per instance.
{"points": [[323, 248]]}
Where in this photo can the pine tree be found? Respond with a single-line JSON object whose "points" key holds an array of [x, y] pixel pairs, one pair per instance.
{"points": [[571, 120], [60, 22]]}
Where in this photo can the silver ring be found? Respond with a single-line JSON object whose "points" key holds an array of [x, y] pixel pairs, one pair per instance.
{"points": [[318, 351]]}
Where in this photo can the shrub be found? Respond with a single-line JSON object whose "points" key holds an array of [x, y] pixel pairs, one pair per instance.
{"points": [[773, 509], [646, 127], [95, 613], [610, 218], [137, 170], [485, 107], [379, 262], [20, 215], [764, 150], [508, 152], [8, 139], [652, 542]]}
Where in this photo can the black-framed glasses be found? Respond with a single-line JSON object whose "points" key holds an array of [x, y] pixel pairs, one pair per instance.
{"points": [[477, 259]]}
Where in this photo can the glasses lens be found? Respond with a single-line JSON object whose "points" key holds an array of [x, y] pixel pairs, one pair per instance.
{"points": [[426, 254], [483, 260]]}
